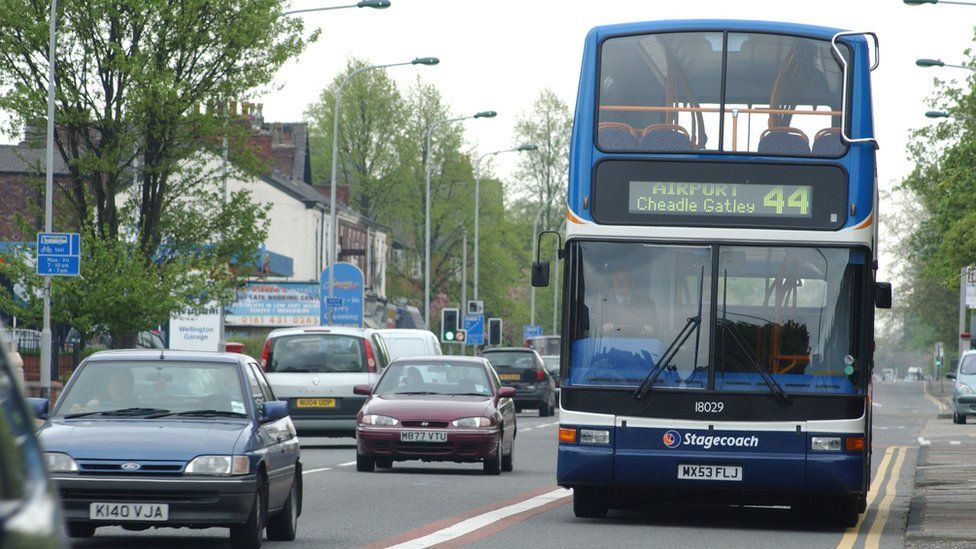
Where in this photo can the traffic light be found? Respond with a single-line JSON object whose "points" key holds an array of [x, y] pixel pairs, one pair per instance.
{"points": [[494, 331], [449, 325]]}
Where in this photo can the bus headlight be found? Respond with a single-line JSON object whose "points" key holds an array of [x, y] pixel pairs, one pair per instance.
{"points": [[594, 436], [825, 444]]}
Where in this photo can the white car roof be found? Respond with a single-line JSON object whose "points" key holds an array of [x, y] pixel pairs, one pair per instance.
{"points": [[386, 332], [339, 330]]}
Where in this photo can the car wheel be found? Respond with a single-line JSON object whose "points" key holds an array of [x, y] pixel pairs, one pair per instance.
{"points": [[365, 464], [384, 463], [493, 465], [284, 525], [955, 417], [508, 462], [248, 535], [81, 529], [962, 419], [587, 503]]}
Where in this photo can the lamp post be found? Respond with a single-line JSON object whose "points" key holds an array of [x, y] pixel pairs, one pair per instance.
{"points": [[333, 221], [940, 63], [430, 130], [375, 4], [944, 114], [48, 205], [477, 202]]}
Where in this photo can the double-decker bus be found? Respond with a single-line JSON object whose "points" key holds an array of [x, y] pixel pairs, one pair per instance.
{"points": [[720, 273]]}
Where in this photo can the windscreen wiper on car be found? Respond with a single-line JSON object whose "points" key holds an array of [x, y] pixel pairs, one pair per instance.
{"points": [[203, 413], [121, 412], [754, 362], [417, 393], [693, 324]]}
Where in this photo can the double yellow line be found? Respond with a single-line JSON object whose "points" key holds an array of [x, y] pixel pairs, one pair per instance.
{"points": [[876, 528]]}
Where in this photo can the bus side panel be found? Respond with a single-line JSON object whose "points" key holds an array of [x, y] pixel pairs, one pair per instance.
{"points": [[769, 459]]}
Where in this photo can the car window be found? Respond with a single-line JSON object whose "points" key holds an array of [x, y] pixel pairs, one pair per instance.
{"points": [[408, 346], [104, 386], [445, 378], [316, 352], [256, 393], [14, 428], [381, 352], [262, 382], [968, 366], [518, 360]]}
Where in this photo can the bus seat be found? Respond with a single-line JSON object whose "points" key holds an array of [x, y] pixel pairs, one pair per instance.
{"points": [[827, 143], [616, 136], [666, 138], [784, 140]]}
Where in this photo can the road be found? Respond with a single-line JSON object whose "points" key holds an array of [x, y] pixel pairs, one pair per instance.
{"points": [[418, 504]]}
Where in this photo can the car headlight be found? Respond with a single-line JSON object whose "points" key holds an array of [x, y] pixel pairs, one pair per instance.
{"points": [[964, 389], [382, 421], [59, 463], [218, 465], [472, 422]]}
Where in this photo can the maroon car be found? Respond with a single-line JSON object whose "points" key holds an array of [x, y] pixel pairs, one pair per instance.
{"points": [[437, 408]]}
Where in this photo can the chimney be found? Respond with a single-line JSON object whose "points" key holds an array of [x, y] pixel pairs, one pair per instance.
{"points": [[342, 193]]}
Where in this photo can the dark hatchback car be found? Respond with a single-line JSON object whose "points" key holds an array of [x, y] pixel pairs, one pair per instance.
{"points": [[149, 439], [523, 369], [30, 515], [437, 408]]}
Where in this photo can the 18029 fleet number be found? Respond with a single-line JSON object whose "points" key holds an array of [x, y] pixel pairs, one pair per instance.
{"points": [[709, 407]]}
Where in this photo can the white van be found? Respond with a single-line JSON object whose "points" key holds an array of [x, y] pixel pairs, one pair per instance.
{"points": [[406, 343], [315, 370]]}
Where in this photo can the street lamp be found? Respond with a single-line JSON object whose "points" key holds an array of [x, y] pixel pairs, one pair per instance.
{"points": [[48, 205], [375, 4], [430, 130], [333, 222], [944, 114], [477, 202], [920, 2], [940, 63]]}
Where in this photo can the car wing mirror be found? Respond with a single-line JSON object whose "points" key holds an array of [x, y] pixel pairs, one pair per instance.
{"points": [[364, 390], [40, 407], [951, 375], [540, 274], [506, 392], [274, 410], [882, 295]]}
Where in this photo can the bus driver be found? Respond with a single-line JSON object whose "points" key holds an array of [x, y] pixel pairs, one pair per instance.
{"points": [[624, 311]]}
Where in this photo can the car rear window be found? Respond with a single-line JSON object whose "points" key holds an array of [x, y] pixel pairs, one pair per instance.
{"points": [[513, 360], [320, 353], [407, 346]]}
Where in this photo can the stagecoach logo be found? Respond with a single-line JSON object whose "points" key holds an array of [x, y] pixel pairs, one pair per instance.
{"points": [[672, 439], [131, 466]]}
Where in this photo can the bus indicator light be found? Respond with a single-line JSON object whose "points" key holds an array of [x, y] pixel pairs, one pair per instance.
{"points": [[854, 444], [567, 434]]}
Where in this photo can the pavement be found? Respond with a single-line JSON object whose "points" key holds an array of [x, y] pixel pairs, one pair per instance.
{"points": [[943, 506]]}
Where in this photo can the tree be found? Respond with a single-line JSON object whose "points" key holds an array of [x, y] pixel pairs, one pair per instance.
{"points": [[373, 112], [544, 174], [141, 89]]}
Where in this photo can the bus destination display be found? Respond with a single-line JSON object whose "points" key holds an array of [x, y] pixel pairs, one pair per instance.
{"points": [[720, 199]]}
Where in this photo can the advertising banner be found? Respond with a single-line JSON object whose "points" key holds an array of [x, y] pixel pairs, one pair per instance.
{"points": [[346, 303], [275, 304], [196, 329]]}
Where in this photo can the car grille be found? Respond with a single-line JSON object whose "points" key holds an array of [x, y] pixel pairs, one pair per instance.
{"points": [[421, 423], [86, 467]]}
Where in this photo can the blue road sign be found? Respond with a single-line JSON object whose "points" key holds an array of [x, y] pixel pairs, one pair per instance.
{"points": [[346, 304], [58, 254], [531, 330], [474, 325]]}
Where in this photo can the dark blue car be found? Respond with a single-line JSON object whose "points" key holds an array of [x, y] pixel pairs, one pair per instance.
{"points": [[144, 439]]}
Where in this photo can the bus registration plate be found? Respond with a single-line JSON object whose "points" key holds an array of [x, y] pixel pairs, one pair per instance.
{"points": [[710, 472]]}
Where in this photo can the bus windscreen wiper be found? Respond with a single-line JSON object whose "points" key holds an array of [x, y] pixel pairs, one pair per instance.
{"points": [[693, 324], [754, 361]]}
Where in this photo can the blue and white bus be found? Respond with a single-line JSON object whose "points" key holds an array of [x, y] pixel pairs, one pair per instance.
{"points": [[720, 288]]}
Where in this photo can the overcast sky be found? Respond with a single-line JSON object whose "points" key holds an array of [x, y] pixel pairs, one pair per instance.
{"points": [[499, 54]]}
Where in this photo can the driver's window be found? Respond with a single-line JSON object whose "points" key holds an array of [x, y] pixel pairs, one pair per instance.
{"points": [[256, 391]]}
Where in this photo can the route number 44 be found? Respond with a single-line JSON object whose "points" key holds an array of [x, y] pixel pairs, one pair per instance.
{"points": [[798, 199]]}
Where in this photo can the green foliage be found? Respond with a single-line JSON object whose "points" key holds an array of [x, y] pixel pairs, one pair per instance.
{"points": [[141, 86]]}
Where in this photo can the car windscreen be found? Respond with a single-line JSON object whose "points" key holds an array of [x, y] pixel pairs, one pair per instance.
{"points": [[154, 387], [968, 366], [515, 360], [319, 353], [438, 378]]}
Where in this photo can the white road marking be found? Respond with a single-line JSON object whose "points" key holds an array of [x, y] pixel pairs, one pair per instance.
{"points": [[481, 521], [878, 404], [526, 429], [346, 464], [881, 428], [319, 470], [924, 442], [955, 442]]}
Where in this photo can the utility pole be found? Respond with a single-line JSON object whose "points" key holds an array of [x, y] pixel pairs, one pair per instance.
{"points": [[48, 207], [464, 282]]}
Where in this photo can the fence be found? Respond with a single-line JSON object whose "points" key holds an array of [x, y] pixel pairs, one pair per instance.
{"points": [[65, 355]]}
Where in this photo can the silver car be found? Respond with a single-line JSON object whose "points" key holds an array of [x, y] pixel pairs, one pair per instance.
{"points": [[964, 388], [315, 370]]}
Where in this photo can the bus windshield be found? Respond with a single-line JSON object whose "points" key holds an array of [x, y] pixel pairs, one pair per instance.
{"points": [[763, 316], [720, 91]]}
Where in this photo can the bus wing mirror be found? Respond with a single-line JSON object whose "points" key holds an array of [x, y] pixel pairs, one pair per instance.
{"points": [[540, 274], [882, 295]]}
